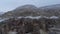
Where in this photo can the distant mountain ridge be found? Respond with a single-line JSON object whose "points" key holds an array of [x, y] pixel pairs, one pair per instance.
{"points": [[31, 10], [52, 6]]}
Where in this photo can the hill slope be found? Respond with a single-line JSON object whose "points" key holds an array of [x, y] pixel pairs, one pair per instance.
{"points": [[52, 10], [31, 10]]}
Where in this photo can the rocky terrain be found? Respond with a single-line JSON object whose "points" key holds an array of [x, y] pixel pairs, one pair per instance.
{"points": [[31, 10], [29, 19], [28, 25]]}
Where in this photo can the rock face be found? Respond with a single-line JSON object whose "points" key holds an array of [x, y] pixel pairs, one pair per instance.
{"points": [[28, 25]]}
